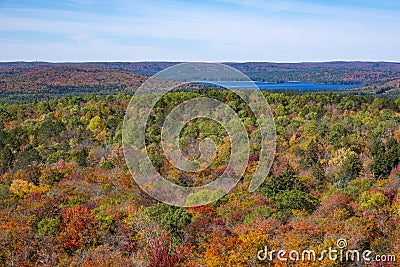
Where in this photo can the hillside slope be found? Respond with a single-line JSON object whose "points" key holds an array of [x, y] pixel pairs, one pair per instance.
{"points": [[65, 78]]}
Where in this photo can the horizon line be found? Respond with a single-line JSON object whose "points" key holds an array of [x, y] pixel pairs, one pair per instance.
{"points": [[221, 62]]}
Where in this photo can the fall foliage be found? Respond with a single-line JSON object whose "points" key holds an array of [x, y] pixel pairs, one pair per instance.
{"points": [[68, 199]]}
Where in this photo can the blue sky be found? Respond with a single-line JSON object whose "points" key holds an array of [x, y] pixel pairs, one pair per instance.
{"points": [[199, 30]]}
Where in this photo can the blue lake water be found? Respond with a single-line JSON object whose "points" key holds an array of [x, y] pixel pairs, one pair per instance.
{"points": [[288, 86]]}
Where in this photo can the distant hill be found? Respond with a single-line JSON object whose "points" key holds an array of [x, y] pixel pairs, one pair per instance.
{"points": [[318, 72], [151, 67], [335, 65], [60, 78], [106, 77]]}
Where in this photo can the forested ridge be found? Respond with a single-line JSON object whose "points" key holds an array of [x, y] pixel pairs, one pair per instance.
{"points": [[21, 81], [67, 197], [64, 79]]}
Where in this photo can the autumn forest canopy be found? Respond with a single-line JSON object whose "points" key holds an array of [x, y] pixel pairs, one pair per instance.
{"points": [[67, 197]]}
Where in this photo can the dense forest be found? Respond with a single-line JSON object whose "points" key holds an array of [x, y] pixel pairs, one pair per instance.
{"points": [[67, 197]]}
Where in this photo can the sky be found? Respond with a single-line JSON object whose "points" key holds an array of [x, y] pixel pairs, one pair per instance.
{"points": [[199, 30]]}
